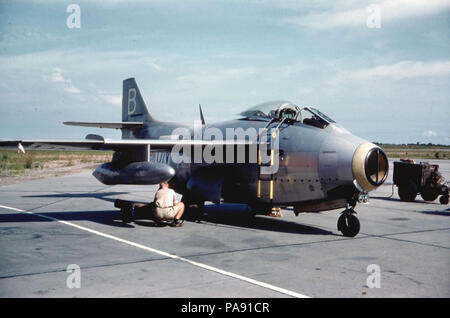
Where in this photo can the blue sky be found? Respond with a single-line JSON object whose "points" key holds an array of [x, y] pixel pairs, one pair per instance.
{"points": [[387, 84]]}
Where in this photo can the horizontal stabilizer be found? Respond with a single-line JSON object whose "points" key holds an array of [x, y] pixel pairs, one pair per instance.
{"points": [[115, 125]]}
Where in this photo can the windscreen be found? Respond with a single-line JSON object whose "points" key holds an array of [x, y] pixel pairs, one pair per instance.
{"points": [[320, 114]]}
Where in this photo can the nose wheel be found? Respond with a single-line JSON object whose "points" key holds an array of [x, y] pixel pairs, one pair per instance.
{"points": [[348, 223]]}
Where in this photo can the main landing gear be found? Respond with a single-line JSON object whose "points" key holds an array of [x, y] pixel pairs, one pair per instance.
{"points": [[348, 223]]}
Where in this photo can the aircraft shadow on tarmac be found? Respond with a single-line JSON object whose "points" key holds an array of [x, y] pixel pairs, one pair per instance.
{"points": [[418, 200], [97, 195], [264, 223], [445, 212], [223, 214], [106, 217], [238, 216]]}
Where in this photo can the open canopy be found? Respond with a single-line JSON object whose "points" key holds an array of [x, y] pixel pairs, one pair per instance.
{"points": [[287, 110], [268, 110]]}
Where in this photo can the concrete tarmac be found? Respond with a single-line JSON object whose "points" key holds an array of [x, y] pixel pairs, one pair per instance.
{"points": [[48, 224]]}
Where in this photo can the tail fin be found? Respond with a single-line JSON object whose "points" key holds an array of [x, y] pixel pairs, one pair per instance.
{"points": [[133, 105]]}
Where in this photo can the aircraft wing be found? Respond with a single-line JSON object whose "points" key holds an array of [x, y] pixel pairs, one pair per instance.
{"points": [[111, 144], [116, 125]]}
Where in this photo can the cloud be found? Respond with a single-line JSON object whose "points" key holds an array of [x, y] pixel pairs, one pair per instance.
{"points": [[57, 77], [397, 71], [390, 10], [71, 89], [112, 99], [206, 76], [405, 69], [430, 133], [155, 66]]}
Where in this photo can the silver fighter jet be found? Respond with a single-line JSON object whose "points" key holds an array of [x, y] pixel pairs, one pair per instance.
{"points": [[275, 154]]}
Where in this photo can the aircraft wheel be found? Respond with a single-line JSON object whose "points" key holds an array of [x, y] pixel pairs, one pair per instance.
{"points": [[348, 224], [429, 195], [443, 199], [126, 215], [407, 192]]}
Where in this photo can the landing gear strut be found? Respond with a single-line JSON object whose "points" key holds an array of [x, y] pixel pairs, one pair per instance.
{"points": [[348, 223]]}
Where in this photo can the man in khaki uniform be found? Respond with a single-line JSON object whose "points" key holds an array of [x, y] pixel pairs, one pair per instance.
{"points": [[167, 208]]}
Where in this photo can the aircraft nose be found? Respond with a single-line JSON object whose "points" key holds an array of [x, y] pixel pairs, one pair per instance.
{"points": [[370, 166]]}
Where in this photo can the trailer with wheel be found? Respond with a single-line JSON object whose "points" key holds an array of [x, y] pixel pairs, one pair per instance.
{"points": [[419, 178]]}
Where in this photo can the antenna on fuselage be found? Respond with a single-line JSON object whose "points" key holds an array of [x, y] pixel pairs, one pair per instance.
{"points": [[201, 115]]}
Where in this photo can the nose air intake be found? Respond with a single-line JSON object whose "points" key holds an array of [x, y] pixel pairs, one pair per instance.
{"points": [[370, 166], [376, 166]]}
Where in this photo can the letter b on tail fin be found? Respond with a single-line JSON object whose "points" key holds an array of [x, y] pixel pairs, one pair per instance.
{"points": [[133, 105], [131, 101]]}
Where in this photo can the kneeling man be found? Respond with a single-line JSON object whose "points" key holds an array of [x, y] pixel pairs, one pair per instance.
{"points": [[167, 208]]}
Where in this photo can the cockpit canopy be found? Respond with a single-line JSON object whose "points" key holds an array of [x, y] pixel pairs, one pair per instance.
{"points": [[287, 111]]}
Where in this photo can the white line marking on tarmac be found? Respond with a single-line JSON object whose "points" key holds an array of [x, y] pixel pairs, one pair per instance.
{"points": [[172, 256]]}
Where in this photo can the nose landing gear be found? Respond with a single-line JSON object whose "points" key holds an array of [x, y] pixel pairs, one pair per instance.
{"points": [[348, 223]]}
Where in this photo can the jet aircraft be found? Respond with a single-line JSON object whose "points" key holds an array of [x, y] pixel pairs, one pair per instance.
{"points": [[298, 158]]}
